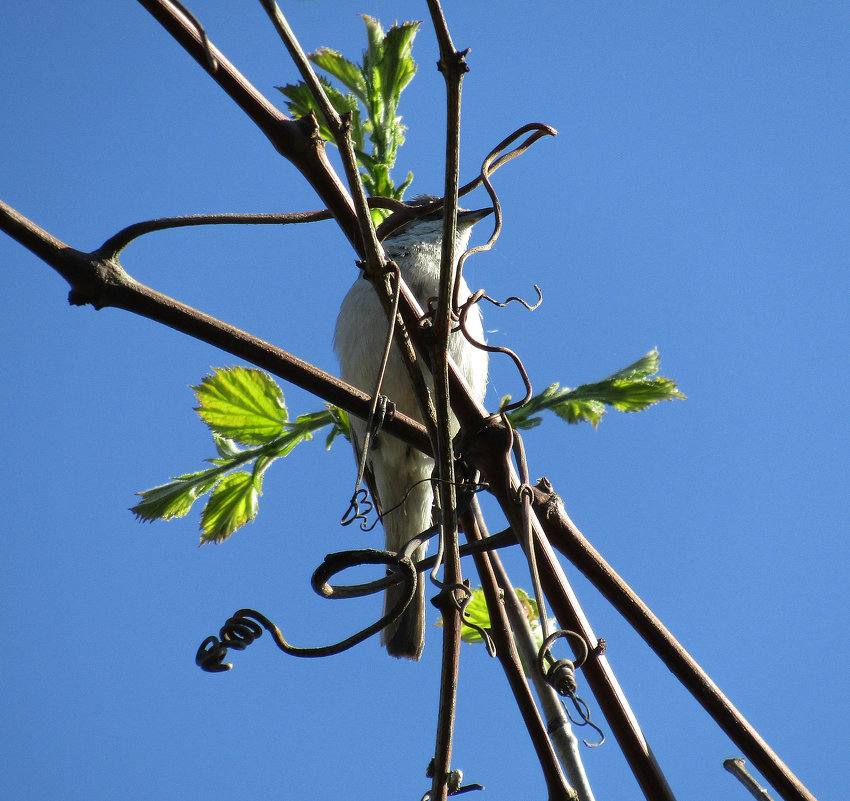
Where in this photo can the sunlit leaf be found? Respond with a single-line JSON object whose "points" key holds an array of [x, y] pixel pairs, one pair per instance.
{"points": [[242, 404], [376, 85], [476, 612], [233, 503], [646, 365], [175, 498], [631, 389], [397, 65], [341, 425], [348, 74], [580, 411], [301, 103]]}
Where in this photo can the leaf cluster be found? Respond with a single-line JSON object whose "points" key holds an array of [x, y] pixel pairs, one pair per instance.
{"points": [[631, 389], [376, 86], [242, 407]]}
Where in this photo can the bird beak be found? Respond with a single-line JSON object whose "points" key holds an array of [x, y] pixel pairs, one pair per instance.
{"points": [[472, 217]]}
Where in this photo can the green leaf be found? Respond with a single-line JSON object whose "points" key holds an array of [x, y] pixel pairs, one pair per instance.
{"points": [[403, 187], [631, 389], [242, 404], [301, 103], [627, 395], [175, 498], [233, 503], [388, 67], [231, 397], [227, 449], [578, 411], [477, 612], [397, 65], [348, 74], [376, 84], [646, 365], [341, 425]]}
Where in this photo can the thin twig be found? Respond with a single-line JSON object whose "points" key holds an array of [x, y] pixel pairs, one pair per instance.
{"points": [[116, 243], [537, 131], [736, 767]]}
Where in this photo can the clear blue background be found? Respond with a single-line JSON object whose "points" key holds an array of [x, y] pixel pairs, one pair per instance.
{"points": [[696, 199]]}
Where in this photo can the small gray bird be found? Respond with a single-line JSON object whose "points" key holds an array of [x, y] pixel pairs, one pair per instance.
{"points": [[398, 469]]}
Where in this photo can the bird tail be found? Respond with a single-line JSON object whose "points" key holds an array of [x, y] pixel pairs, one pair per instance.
{"points": [[404, 483], [405, 637]]}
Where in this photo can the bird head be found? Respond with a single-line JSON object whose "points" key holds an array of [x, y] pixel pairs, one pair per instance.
{"points": [[428, 228]]}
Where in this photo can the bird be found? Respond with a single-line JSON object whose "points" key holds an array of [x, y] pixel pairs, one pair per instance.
{"points": [[398, 474]]}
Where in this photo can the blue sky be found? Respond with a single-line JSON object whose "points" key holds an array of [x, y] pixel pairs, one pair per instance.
{"points": [[696, 200]]}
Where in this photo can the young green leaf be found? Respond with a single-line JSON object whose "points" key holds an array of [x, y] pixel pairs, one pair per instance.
{"points": [[227, 449], [175, 498], [631, 389], [376, 85], [300, 102], [645, 366], [341, 425], [477, 612], [627, 395], [347, 73], [580, 411], [242, 404], [233, 503], [229, 398]]}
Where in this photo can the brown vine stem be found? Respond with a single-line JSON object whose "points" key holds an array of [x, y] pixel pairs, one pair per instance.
{"points": [[97, 279], [296, 140], [566, 537], [490, 453], [506, 651], [558, 729], [116, 243], [453, 66]]}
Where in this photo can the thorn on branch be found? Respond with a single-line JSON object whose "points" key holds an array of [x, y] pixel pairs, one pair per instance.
{"points": [[456, 63], [454, 782]]}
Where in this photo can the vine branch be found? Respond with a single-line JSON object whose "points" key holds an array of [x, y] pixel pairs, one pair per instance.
{"points": [[567, 538], [453, 66], [103, 282]]}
